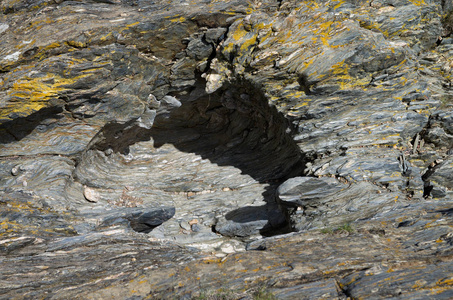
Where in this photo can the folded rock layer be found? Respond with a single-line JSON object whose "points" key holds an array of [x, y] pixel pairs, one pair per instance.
{"points": [[208, 149]]}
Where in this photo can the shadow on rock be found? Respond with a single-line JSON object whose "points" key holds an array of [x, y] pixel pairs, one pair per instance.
{"points": [[233, 127], [19, 128]]}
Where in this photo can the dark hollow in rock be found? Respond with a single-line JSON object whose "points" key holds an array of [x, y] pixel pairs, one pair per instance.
{"points": [[17, 129], [233, 127], [147, 221]]}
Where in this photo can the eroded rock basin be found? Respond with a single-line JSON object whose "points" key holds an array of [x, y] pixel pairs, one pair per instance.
{"points": [[217, 166]]}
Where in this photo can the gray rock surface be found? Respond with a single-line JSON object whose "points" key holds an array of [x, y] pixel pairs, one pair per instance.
{"points": [[178, 150]]}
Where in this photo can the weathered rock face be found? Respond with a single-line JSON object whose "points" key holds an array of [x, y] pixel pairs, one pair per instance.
{"points": [[185, 149]]}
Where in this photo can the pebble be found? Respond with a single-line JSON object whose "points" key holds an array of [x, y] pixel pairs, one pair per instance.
{"points": [[15, 171], [91, 194], [196, 228], [227, 248], [193, 221], [185, 225]]}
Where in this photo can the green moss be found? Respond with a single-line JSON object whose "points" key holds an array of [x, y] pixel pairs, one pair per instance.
{"points": [[346, 227], [327, 230], [263, 294]]}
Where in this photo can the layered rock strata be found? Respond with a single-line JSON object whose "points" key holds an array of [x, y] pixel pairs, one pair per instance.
{"points": [[189, 149]]}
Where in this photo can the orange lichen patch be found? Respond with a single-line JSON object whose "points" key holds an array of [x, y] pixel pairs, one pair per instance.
{"points": [[441, 286], [38, 24], [433, 223], [447, 281], [180, 20], [25, 44], [245, 39], [76, 44], [105, 37], [213, 260], [340, 72], [29, 95], [329, 272], [239, 33], [418, 2], [132, 24], [51, 46], [306, 5], [6, 225], [248, 43]]}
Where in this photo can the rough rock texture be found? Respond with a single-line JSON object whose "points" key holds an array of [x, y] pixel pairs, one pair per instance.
{"points": [[161, 150]]}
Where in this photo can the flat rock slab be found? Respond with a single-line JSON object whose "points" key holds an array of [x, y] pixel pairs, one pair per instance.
{"points": [[303, 190]]}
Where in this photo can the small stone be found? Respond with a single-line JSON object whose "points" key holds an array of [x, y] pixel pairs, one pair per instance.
{"points": [[108, 151], [91, 194], [185, 225], [213, 82], [195, 228], [3, 27], [227, 248], [170, 101], [15, 171], [193, 221]]}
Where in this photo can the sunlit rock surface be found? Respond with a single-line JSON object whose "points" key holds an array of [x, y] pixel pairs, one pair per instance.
{"points": [[288, 149]]}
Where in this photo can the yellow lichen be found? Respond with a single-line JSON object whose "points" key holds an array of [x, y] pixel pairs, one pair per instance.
{"points": [[105, 37], [29, 95], [248, 43], [418, 2], [76, 44], [132, 24], [180, 19]]}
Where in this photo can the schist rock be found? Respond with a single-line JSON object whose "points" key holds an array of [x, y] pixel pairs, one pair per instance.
{"points": [[279, 149]]}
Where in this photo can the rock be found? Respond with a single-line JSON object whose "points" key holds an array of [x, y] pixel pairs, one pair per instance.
{"points": [[304, 190], [91, 194], [315, 133], [193, 221], [147, 119], [214, 35], [326, 202], [243, 222], [198, 49], [439, 179], [440, 129], [146, 221], [15, 171], [170, 102]]}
